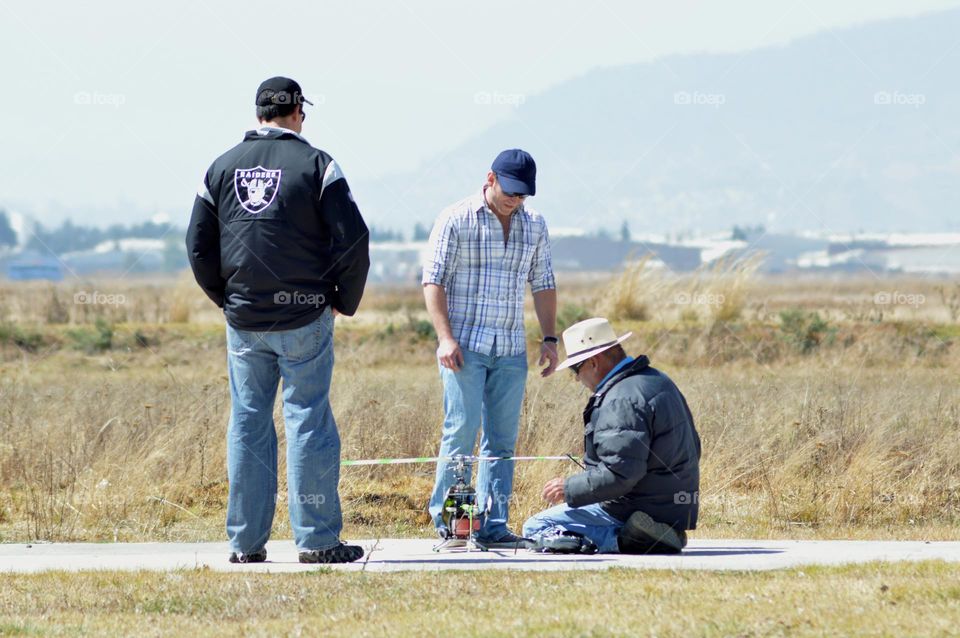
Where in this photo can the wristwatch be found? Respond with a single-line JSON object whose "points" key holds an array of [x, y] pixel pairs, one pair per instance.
{"points": [[551, 339]]}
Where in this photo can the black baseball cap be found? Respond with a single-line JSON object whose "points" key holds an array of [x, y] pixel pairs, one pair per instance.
{"points": [[516, 171], [280, 90]]}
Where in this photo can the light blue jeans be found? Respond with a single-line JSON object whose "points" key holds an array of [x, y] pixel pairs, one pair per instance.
{"points": [[257, 361], [487, 391], [590, 520]]}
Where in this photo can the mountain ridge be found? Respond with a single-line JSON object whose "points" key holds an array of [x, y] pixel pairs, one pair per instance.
{"points": [[836, 131]]}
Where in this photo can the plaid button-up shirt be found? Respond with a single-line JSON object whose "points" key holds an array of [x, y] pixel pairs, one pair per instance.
{"points": [[484, 277]]}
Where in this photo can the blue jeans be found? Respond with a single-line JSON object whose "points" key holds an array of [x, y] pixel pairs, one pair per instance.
{"points": [[486, 391], [257, 361], [590, 520]]}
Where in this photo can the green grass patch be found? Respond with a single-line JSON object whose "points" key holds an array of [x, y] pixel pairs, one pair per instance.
{"points": [[874, 599]]}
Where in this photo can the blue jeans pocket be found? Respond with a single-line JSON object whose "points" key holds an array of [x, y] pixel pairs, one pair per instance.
{"points": [[240, 342], [302, 344]]}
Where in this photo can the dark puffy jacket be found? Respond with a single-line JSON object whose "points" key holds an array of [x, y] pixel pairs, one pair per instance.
{"points": [[641, 449], [275, 236]]}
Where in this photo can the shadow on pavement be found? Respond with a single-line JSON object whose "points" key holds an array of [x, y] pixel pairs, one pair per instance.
{"points": [[731, 551], [499, 561]]}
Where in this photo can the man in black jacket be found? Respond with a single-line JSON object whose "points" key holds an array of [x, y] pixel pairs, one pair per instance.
{"points": [[640, 488], [276, 241]]}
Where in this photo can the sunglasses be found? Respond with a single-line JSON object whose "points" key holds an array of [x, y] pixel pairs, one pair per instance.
{"points": [[575, 368], [520, 195]]}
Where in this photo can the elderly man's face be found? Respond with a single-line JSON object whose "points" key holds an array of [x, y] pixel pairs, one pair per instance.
{"points": [[587, 372]]}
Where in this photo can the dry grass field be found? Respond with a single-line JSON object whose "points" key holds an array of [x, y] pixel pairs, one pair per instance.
{"points": [[864, 600], [828, 408]]}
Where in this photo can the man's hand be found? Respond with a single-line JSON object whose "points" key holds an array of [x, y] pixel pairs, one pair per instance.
{"points": [[553, 491], [548, 353], [449, 354]]}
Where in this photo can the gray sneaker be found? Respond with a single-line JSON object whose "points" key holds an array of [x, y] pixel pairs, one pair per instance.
{"points": [[507, 541], [342, 553], [560, 541], [643, 535]]}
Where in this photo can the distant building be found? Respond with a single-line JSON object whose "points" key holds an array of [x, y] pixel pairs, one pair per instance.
{"points": [[906, 253], [600, 254], [119, 256], [781, 252], [32, 266], [396, 262]]}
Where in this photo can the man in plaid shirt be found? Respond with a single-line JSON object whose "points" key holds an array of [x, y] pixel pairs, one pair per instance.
{"points": [[483, 251]]}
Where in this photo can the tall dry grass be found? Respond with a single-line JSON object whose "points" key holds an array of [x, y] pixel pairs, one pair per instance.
{"points": [[714, 293], [846, 427]]}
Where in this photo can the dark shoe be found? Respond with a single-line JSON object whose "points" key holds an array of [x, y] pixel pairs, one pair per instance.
{"points": [[507, 541], [253, 557], [643, 535], [560, 541], [340, 554]]}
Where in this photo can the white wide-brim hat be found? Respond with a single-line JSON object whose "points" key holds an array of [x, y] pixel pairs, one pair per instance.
{"points": [[587, 338]]}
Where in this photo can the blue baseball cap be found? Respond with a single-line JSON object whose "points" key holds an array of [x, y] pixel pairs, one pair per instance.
{"points": [[516, 171]]}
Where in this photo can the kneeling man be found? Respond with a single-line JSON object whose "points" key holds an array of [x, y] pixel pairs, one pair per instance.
{"points": [[639, 490]]}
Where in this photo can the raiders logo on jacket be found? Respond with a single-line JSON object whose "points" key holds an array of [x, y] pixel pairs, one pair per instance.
{"points": [[275, 235]]}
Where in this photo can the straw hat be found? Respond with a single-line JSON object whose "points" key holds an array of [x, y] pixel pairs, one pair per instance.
{"points": [[587, 338]]}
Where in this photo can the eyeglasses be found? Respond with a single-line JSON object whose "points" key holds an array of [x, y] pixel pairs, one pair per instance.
{"points": [[522, 196], [575, 368]]}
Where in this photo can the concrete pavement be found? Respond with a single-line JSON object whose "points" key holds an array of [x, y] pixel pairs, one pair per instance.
{"points": [[387, 555]]}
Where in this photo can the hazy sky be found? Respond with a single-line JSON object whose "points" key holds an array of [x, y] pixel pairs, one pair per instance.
{"points": [[113, 110]]}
